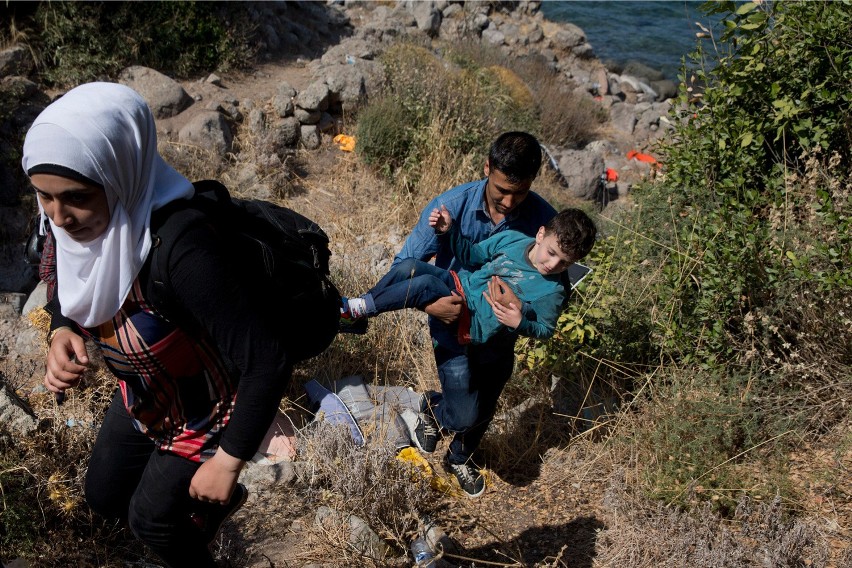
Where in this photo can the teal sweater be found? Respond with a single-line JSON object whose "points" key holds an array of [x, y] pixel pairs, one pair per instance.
{"points": [[505, 255]]}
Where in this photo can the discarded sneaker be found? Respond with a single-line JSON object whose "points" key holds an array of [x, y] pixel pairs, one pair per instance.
{"points": [[209, 518], [470, 479], [348, 322], [423, 429]]}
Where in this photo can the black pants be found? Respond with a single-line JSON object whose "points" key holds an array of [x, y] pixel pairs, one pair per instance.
{"points": [[129, 479]]}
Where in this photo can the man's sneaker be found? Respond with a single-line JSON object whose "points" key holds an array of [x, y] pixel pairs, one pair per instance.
{"points": [[348, 323], [470, 479], [423, 429], [209, 518]]}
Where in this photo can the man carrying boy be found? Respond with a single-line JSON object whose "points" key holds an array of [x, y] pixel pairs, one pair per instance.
{"points": [[532, 268], [473, 376]]}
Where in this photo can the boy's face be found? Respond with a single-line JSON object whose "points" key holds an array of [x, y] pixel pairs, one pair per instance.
{"points": [[546, 255]]}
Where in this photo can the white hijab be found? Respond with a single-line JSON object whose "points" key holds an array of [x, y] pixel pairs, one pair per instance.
{"points": [[106, 133]]}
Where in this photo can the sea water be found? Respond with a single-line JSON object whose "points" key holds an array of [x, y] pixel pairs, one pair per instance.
{"points": [[658, 34]]}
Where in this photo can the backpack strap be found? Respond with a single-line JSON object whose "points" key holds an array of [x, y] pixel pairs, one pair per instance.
{"points": [[168, 224]]}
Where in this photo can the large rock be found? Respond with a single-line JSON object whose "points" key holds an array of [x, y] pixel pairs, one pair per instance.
{"points": [[16, 418], [208, 130], [283, 105], [427, 17], [361, 537], [307, 116], [569, 36], [313, 97], [310, 136], [16, 60], [163, 94], [622, 117], [581, 170], [346, 86], [286, 133]]}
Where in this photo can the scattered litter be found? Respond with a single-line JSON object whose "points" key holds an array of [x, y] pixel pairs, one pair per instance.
{"points": [[611, 175], [279, 444], [421, 468], [647, 158], [344, 142], [332, 409]]}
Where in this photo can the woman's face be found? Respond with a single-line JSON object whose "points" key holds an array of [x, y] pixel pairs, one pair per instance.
{"points": [[80, 209]]}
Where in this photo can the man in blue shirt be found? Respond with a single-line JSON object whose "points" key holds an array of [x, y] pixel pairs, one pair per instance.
{"points": [[473, 376]]}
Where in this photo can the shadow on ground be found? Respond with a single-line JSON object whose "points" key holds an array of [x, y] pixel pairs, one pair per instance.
{"points": [[535, 430], [571, 544]]}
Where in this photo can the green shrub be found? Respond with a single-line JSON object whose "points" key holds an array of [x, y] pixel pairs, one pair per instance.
{"points": [[450, 108], [78, 42]]}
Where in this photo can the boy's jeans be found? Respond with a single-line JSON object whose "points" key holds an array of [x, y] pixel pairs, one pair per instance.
{"points": [[409, 284]]}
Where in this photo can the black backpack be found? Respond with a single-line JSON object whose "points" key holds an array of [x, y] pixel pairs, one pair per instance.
{"points": [[284, 253]]}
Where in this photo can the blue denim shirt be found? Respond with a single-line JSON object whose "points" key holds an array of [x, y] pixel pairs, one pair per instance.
{"points": [[466, 204]]}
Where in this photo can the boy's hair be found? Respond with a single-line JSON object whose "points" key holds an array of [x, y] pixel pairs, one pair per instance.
{"points": [[575, 232], [517, 155]]}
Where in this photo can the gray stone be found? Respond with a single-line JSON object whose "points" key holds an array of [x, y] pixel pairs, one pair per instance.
{"points": [[599, 81], [481, 21], [16, 60], [283, 105], [256, 121], [569, 36], [310, 136], [361, 536], [163, 94], [37, 299], [255, 475], [208, 130], [15, 416], [581, 170], [451, 10], [285, 89], [313, 97], [642, 71], [535, 34], [427, 17], [286, 133], [346, 85], [307, 116], [493, 37], [583, 51], [665, 89], [622, 117]]}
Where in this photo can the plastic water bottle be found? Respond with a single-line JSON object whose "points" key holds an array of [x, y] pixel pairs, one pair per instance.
{"points": [[422, 552]]}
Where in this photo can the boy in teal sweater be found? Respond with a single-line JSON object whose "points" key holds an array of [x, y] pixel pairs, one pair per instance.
{"points": [[531, 267]]}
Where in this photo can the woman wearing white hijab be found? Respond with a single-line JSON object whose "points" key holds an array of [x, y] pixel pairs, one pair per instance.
{"points": [[173, 441]]}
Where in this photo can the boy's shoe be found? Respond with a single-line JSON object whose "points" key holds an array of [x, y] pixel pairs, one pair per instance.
{"points": [[209, 519], [423, 429], [470, 479], [348, 323]]}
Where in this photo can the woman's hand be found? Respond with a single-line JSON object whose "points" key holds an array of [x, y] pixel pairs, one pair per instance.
{"points": [[446, 309], [216, 478], [66, 361]]}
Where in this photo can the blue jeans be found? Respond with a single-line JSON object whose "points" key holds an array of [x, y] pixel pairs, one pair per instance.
{"points": [[472, 379], [409, 284], [129, 479]]}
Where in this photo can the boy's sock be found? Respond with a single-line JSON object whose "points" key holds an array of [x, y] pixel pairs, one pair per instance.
{"points": [[357, 307]]}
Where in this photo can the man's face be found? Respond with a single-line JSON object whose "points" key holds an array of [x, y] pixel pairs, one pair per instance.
{"points": [[501, 195]]}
